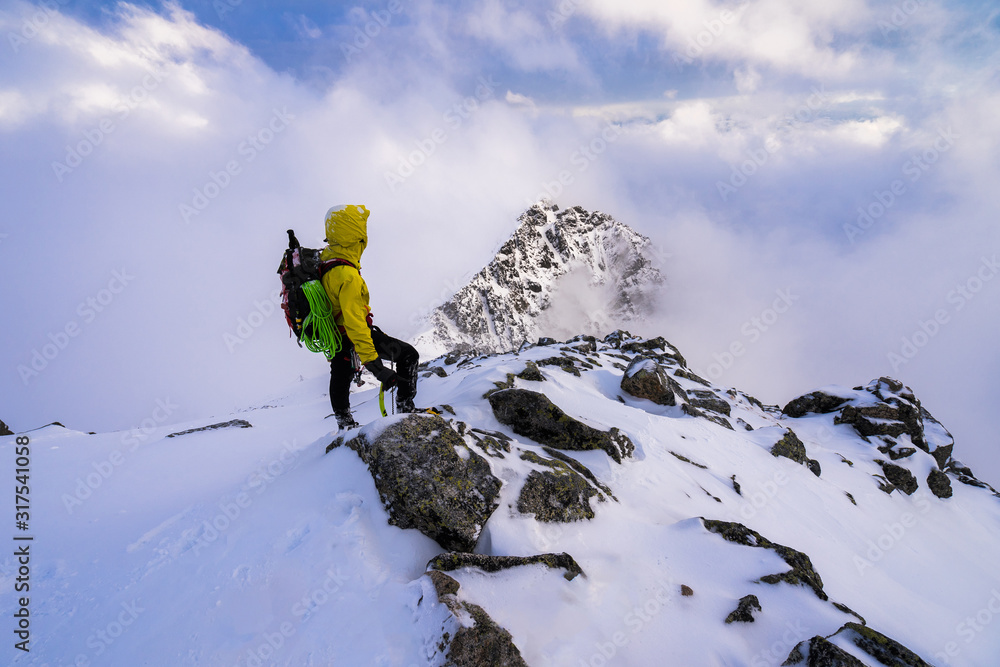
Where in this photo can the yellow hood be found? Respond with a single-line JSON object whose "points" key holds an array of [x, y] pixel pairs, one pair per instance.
{"points": [[346, 233]]}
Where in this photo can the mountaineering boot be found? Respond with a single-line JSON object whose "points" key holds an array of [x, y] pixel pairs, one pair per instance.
{"points": [[405, 405], [345, 421]]}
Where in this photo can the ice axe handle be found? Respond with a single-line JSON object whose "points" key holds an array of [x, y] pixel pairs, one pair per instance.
{"points": [[292, 241]]}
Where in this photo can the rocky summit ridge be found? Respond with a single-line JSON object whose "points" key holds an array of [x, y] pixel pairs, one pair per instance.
{"points": [[502, 306], [536, 460]]}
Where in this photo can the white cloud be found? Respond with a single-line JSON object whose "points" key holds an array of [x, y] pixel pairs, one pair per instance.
{"points": [[410, 97]]}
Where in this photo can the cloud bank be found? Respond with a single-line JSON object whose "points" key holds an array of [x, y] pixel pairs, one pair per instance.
{"points": [[818, 180]]}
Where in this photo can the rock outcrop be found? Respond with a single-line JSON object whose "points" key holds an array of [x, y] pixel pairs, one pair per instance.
{"points": [[821, 652], [479, 641], [533, 415], [430, 480], [645, 378]]}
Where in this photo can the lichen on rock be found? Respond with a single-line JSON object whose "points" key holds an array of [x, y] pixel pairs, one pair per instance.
{"points": [[645, 378], [533, 415], [426, 484]]}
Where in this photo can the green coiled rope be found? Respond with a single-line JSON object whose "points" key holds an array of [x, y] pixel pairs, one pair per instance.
{"points": [[323, 334]]}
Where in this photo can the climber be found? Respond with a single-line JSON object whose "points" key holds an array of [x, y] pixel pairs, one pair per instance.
{"points": [[346, 238]]}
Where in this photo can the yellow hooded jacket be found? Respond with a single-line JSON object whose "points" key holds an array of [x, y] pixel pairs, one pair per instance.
{"points": [[347, 237]]}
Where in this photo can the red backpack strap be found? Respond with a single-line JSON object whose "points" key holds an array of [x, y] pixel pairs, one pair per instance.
{"points": [[330, 263]]}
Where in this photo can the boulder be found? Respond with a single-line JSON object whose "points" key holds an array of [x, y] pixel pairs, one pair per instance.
{"points": [[644, 378], [456, 560], [939, 484], [556, 496], [791, 447], [430, 480], [479, 641], [533, 415], [818, 402], [4, 429], [709, 400], [899, 477], [744, 610], [820, 652]]}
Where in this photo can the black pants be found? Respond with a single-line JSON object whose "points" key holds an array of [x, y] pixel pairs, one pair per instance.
{"points": [[403, 354]]}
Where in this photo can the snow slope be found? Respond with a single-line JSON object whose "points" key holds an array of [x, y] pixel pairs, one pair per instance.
{"points": [[251, 546]]}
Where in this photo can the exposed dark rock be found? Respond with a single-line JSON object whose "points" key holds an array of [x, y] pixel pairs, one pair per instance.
{"points": [[939, 484], [565, 363], [791, 447], [425, 484], [533, 415], [818, 652], [801, 573], [580, 468], [744, 610], [481, 644], [895, 454], [644, 378], [531, 372], [454, 561], [235, 423], [687, 460], [898, 412], [884, 649], [545, 340], [686, 591], [4, 429], [736, 486], [814, 467], [899, 477], [818, 402], [689, 409], [436, 370], [708, 400], [556, 496], [688, 375]]}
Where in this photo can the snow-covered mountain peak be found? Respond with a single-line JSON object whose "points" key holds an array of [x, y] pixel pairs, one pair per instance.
{"points": [[561, 269]]}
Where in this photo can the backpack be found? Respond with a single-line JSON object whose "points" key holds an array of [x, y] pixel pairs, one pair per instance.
{"points": [[308, 310]]}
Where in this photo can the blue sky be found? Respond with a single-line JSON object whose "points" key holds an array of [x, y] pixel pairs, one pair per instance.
{"points": [[153, 155]]}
